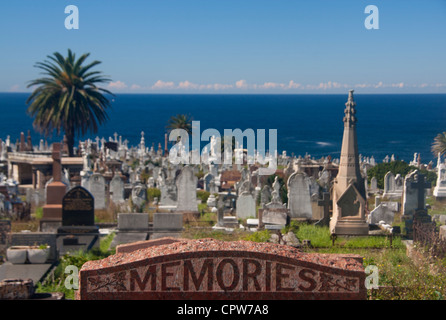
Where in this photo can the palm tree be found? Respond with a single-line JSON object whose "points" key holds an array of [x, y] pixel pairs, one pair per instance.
{"points": [[180, 121], [439, 144], [67, 97]]}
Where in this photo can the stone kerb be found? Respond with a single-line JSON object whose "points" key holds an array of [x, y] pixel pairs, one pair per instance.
{"points": [[130, 247], [210, 269]]}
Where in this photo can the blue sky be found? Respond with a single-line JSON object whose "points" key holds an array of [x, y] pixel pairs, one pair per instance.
{"points": [[226, 46]]}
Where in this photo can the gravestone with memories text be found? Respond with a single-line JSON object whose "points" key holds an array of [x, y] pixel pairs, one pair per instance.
{"points": [[212, 269]]}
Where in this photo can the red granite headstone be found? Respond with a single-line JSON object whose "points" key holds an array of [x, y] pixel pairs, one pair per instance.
{"points": [[52, 211], [211, 269]]}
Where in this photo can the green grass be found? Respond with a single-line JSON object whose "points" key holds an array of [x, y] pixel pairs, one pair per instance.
{"points": [[39, 213], [436, 206], [259, 236], [203, 207], [320, 238]]}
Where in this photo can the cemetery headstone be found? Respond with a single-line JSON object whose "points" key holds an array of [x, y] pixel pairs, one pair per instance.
{"points": [[414, 201], [78, 230], [167, 224], [274, 213], [52, 210], [97, 189], [326, 203], [246, 206], [373, 185], [186, 183], [381, 213], [226, 206], [117, 189], [78, 208], [299, 201], [212, 269], [440, 187], [132, 227], [265, 195], [393, 186], [139, 196]]}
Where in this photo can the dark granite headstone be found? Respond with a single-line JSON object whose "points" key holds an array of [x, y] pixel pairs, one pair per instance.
{"points": [[78, 231], [78, 208]]}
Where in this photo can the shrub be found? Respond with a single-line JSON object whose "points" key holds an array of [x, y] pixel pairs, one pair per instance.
{"points": [[259, 236], [153, 193], [396, 167], [203, 195]]}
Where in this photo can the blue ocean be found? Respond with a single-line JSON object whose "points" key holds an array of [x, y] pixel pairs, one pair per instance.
{"points": [[399, 124]]}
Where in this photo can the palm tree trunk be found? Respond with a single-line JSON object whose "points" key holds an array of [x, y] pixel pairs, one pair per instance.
{"points": [[69, 133]]}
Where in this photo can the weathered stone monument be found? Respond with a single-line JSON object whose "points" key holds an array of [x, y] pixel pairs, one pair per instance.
{"points": [[168, 192], [186, 183], [117, 189], [226, 206], [349, 198], [440, 187], [299, 201], [78, 208], [139, 196], [373, 185], [265, 194], [326, 204], [132, 227], [274, 213], [381, 213], [210, 269], [393, 186], [97, 189], [415, 192], [52, 210], [246, 206], [167, 224], [78, 230]]}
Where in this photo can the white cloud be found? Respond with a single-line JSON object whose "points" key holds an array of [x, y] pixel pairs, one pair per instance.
{"points": [[163, 85], [135, 87], [379, 85], [397, 85], [14, 88], [293, 85], [329, 86], [219, 86], [272, 85], [188, 85], [118, 85], [241, 84]]}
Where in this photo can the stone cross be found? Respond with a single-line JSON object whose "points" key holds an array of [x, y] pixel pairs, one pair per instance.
{"points": [[325, 202], [57, 166], [420, 184]]}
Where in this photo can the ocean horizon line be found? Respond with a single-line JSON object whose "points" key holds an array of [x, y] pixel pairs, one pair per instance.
{"points": [[257, 93]]}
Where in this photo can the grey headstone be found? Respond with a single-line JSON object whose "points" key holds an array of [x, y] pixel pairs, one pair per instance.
{"points": [[117, 189], [246, 206], [186, 183], [381, 213], [97, 189], [299, 201]]}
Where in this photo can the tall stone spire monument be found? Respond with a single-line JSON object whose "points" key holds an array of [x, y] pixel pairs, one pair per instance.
{"points": [[348, 193]]}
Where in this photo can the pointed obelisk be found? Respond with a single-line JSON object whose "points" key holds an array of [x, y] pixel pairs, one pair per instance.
{"points": [[349, 198]]}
